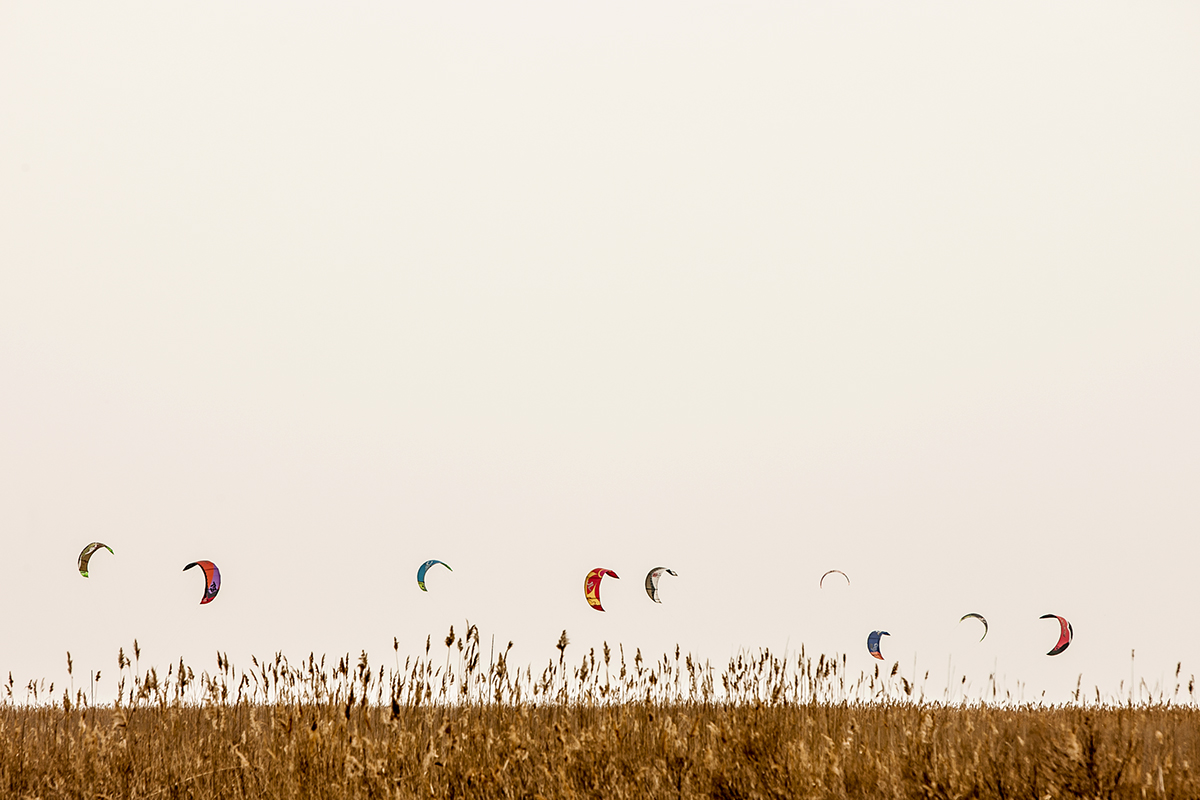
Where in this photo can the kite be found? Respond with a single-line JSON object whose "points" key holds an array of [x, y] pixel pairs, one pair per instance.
{"points": [[827, 574], [981, 619], [873, 643], [651, 582], [591, 586], [86, 555], [1066, 633], [424, 567], [212, 575]]}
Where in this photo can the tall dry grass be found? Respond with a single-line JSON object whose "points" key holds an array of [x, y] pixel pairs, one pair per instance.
{"points": [[604, 725]]}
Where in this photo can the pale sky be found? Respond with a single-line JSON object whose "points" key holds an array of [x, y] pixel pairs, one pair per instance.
{"points": [[748, 290]]}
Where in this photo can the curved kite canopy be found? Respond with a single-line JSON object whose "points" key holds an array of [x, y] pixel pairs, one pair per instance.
{"points": [[425, 568], [212, 575], [873, 643], [591, 586], [1065, 634], [652, 581], [86, 555], [831, 572], [981, 619]]}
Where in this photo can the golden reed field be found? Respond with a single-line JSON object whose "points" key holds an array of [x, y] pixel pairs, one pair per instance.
{"points": [[603, 726]]}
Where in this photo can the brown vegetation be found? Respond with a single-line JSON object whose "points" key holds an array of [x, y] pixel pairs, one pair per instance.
{"points": [[608, 728]]}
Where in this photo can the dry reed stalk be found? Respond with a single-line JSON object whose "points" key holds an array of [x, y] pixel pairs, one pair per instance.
{"points": [[762, 727]]}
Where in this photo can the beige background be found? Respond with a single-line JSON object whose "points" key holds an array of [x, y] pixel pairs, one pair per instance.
{"points": [[752, 291]]}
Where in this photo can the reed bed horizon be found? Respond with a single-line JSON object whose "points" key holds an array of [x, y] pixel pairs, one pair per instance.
{"points": [[599, 724], [614, 676]]}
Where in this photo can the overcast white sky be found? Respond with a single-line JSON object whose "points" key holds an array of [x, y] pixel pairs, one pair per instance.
{"points": [[749, 290]]}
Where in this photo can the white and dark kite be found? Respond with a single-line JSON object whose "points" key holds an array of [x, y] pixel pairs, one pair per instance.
{"points": [[821, 584], [652, 581], [981, 619]]}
